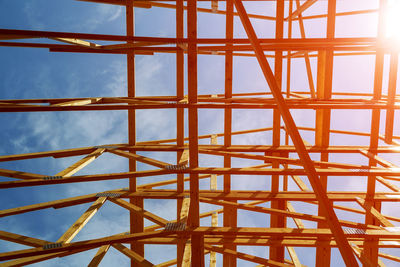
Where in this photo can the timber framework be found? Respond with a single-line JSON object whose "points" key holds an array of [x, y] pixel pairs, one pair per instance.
{"points": [[306, 203]]}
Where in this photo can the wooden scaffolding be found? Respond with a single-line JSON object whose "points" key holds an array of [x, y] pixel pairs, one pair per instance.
{"points": [[300, 174]]}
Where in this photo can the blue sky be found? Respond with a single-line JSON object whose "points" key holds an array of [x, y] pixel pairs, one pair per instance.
{"points": [[37, 73]]}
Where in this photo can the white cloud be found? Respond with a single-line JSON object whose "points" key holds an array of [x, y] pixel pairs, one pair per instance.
{"points": [[102, 14], [31, 11], [51, 131], [109, 12], [117, 75], [147, 69]]}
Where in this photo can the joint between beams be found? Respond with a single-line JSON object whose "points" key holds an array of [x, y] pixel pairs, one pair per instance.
{"points": [[177, 167], [108, 194], [177, 226], [52, 245], [353, 231], [107, 147], [52, 177]]}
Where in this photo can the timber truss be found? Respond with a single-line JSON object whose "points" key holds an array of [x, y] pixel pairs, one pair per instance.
{"points": [[295, 178]]}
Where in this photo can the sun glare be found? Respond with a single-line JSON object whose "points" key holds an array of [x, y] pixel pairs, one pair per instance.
{"points": [[393, 20]]}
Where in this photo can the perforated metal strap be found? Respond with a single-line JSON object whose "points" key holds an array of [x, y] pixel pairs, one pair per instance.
{"points": [[109, 147], [353, 231], [52, 177], [176, 167], [105, 194], [177, 226], [53, 245]]}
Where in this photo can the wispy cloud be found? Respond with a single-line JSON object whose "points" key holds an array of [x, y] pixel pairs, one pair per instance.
{"points": [[32, 15], [102, 14], [96, 15], [51, 131]]}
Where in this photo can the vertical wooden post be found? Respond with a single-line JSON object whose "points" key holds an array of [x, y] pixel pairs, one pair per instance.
{"points": [[194, 219], [180, 117], [230, 214], [337, 231], [370, 250], [323, 120], [394, 59], [136, 220], [277, 253]]}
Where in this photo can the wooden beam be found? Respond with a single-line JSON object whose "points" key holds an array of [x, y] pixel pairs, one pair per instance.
{"points": [[54, 153], [89, 244], [282, 160], [214, 231], [389, 257], [78, 102], [229, 214], [367, 237], [187, 254], [50, 204], [143, 159], [394, 58], [344, 246], [370, 247], [20, 175], [132, 255], [180, 117], [370, 210], [143, 213], [297, 221], [306, 57], [74, 168], [240, 240], [71, 232], [275, 211], [246, 257], [167, 263], [79, 42], [293, 256], [101, 252], [301, 9], [149, 4], [214, 216], [82, 221], [358, 253], [21, 239]]}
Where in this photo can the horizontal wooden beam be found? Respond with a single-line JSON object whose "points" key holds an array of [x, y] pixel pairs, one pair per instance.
{"points": [[21, 239], [231, 232], [246, 257]]}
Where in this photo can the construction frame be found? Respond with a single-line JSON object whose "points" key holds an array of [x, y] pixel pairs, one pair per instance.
{"points": [[298, 171]]}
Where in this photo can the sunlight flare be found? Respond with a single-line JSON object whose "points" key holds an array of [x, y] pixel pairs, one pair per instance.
{"points": [[393, 20]]}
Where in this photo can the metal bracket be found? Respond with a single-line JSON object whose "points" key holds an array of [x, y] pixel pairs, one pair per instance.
{"points": [[108, 194], [177, 226], [109, 147], [52, 177], [176, 167], [52, 245], [353, 231]]}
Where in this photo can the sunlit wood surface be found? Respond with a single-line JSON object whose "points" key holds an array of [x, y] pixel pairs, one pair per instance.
{"points": [[299, 170]]}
